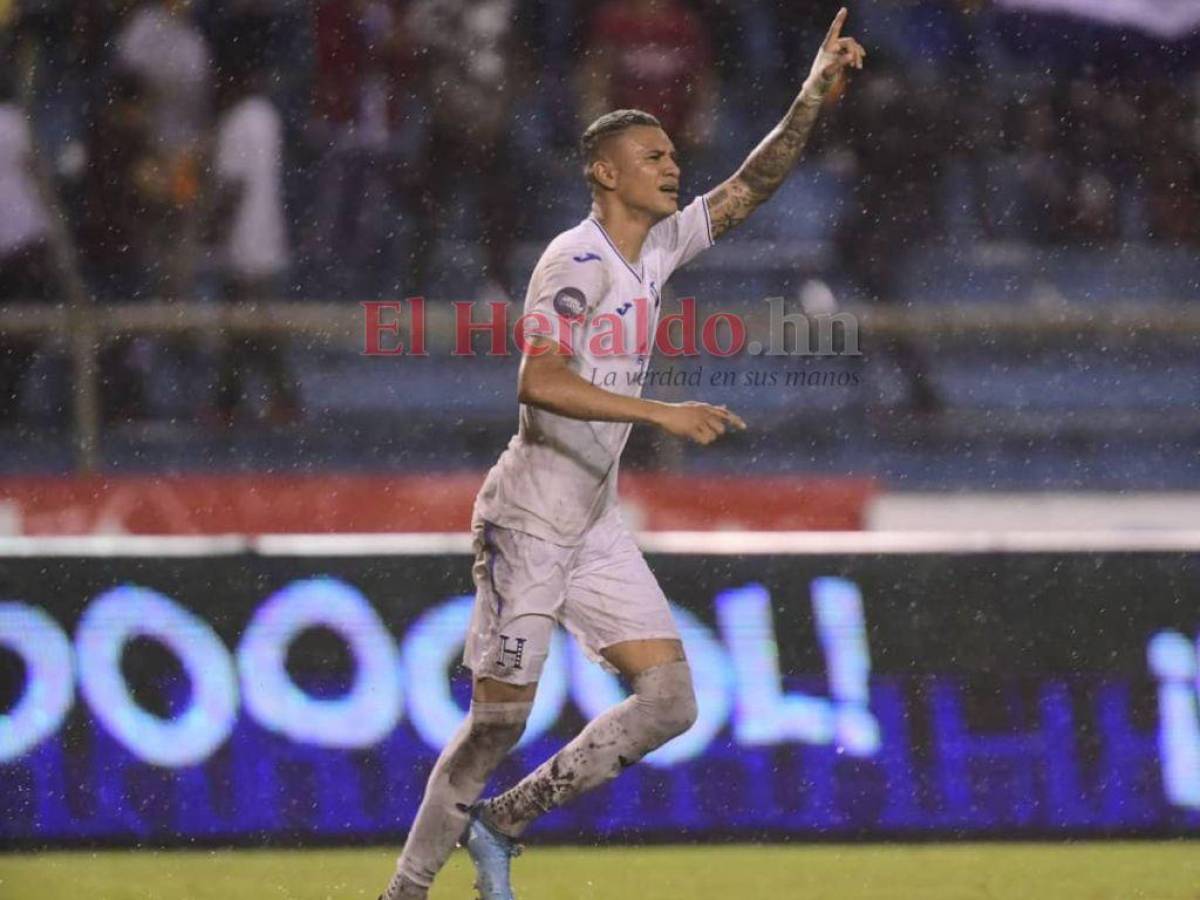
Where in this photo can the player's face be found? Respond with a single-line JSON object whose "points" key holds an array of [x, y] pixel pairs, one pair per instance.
{"points": [[647, 171]]}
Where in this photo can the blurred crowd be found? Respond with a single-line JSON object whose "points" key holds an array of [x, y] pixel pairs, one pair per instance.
{"points": [[235, 149]]}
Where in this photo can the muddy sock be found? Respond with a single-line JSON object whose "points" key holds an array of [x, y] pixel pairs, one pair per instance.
{"points": [[661, 707]]}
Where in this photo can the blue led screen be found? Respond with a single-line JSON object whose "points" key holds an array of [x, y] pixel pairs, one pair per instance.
{"points": [[253, 699]]}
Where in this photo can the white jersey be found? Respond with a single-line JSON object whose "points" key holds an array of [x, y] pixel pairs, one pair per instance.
{"points": [[249, 153], [559, 475], [25, 219]]}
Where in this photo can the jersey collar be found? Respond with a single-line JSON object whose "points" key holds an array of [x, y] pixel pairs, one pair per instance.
{"points": [[621, 256]]}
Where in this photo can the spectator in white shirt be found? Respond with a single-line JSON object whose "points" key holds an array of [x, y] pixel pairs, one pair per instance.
{"points": [[248, 168], [166, 51], [26, 270]]}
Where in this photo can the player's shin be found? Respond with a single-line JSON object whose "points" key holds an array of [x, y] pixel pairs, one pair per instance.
{"points": [[662, 706], [457, 779]]}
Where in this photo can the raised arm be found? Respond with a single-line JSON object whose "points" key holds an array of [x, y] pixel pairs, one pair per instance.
{"points": [[772, 160]]}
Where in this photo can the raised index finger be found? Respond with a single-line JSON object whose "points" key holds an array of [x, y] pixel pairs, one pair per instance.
{"points": [[835, 30]]}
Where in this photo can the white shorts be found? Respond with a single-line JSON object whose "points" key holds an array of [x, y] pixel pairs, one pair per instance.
{"points": [[601, 591]]}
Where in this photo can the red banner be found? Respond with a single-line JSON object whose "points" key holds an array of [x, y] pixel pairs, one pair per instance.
{"points": [[298, 504]]}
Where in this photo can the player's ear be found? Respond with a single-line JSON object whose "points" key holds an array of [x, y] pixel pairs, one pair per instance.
{"points": [[604, 173]]}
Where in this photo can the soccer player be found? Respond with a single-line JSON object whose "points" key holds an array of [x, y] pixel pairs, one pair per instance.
{"points": [[550, 545]]}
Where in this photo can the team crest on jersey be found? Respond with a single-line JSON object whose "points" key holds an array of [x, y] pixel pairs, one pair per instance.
{"points": [[570, 303], [511, 654]]}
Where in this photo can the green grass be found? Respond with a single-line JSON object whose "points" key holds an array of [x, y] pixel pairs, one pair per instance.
{"points": [[1092, 871]]}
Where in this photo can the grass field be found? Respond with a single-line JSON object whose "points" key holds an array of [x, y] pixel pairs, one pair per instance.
{"points": [[1092, 871]]}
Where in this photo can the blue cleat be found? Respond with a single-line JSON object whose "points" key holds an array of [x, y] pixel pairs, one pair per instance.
{"points": [[492, 854]]}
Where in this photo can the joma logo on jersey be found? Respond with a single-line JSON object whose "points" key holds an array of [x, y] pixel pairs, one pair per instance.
{"points": [[511, 656]]}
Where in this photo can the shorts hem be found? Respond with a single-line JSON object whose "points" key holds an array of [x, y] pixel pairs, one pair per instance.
{"points": [[516, 679], [597, 655], [643, 637]]}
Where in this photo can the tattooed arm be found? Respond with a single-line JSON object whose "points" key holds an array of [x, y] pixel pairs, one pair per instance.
{"points": [[771, 161]]}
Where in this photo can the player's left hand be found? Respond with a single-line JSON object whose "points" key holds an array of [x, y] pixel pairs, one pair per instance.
{"points": [[837, 53], [696, 421]]}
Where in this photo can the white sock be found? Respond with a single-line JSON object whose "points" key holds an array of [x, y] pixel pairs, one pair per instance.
{"points": [[457, 780]]}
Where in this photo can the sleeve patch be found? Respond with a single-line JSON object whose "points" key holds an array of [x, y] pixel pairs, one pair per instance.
{"points": [[570, 303]]}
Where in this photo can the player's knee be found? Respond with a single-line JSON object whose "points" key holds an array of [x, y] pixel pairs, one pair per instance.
{"points": [[667, 694], [681, 713], [496, 727], [496, 737]]}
